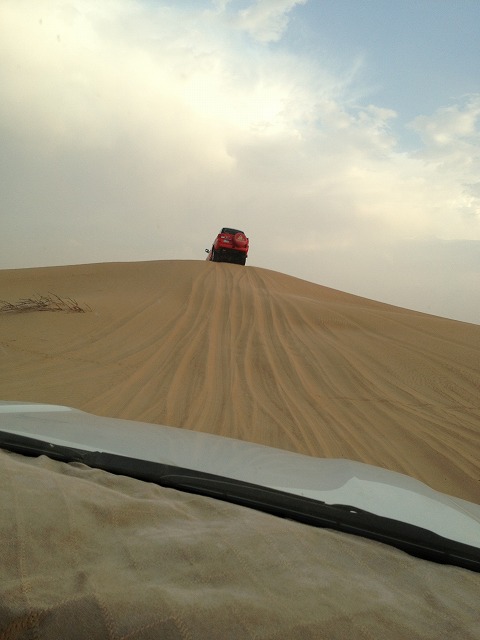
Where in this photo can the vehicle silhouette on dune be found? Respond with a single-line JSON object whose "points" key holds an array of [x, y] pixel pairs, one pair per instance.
{"points": [[230, 245]]}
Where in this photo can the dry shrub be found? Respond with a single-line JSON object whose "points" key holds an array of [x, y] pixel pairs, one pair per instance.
{"points": [[51, 302]]}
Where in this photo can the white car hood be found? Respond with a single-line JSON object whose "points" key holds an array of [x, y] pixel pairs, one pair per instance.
{"points": [[373, 489]]}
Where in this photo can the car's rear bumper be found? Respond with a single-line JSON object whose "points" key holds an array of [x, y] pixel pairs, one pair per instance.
{"points": [[230, 255]]}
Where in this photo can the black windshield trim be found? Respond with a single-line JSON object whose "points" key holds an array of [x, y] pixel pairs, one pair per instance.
{"points": [[414, 540]]}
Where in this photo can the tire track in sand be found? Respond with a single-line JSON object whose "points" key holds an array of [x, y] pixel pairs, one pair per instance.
{"points": [[254, 354]]}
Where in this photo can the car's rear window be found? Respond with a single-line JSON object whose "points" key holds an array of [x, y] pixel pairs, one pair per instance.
{"points": [[232, 231]]}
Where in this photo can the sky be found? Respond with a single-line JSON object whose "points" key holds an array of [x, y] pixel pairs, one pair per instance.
{"points": [[342, 136]]}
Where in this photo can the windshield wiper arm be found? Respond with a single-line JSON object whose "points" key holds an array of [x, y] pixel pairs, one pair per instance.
{"points": [[412, 539]]}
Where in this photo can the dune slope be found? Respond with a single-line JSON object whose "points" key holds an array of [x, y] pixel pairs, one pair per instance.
{"points": [[253, 354]]}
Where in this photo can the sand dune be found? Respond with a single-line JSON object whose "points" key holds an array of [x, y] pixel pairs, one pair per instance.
{"points": [[253, 354]]}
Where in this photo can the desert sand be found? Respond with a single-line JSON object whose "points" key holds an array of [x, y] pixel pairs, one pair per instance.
{"points": [[247, 353], [255, 355]]}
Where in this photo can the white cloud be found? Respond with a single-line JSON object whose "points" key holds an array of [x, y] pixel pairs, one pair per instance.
{"points": [[452, 124], [267, 20], [123, 124]]}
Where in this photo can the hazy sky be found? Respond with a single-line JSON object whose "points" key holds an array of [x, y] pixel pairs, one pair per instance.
{"points": [[343, 136]]}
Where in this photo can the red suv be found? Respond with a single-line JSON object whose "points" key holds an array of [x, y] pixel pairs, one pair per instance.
{"points": [[231, 245]]}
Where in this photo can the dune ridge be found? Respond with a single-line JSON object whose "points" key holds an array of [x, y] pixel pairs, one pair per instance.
{"points": [[256, 355]]}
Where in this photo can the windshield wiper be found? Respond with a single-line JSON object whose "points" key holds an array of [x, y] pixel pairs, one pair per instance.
{"points": [[412, 539]]}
